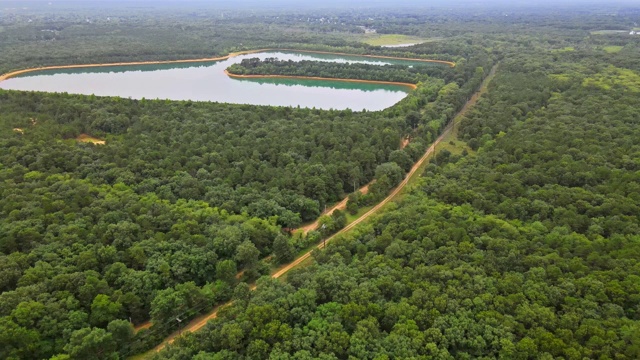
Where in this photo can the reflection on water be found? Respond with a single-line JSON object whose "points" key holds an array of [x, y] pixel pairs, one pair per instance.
{"points": [[206, 81], [331, 84]]}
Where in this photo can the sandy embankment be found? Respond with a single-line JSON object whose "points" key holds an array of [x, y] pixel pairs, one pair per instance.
{"points": [[90, 139], [236, 76], [234, 54]]}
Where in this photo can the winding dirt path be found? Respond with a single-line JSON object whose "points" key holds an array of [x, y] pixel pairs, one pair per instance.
{"points": [[231, 55], [373, 210], [339, 206], [201, 321]]}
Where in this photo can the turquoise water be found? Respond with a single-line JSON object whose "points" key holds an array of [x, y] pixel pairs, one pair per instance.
{"points": [[206, 81]]}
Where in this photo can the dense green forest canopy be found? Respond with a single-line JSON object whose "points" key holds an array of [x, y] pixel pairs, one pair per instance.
{"points": [[156, 223], [525, 245]]}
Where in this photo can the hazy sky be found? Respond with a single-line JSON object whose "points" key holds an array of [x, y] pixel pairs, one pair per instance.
{"points": [[325, 4], [345, 2]]}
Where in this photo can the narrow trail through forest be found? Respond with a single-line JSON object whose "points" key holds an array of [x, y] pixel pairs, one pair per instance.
{"points": [[339, 206], [202, 320]]}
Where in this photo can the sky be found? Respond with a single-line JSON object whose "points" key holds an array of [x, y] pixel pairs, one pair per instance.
{"points": [[338, 4], [348, 2]]}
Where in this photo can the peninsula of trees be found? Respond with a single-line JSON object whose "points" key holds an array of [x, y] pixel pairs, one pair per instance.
{"points": [[307, 68]]}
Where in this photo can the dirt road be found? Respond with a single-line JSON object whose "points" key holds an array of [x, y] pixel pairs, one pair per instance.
{"points": [[201, 321], [404, 182], [373, 210], [339, 206]]}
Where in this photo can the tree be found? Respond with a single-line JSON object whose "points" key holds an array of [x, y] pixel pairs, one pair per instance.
{"points": [[247, 255], [182, 301], [283, 249], [391, 171], [121, 332], [412, 119], [103, 310], [226, 271], [339, 219], [91, 344], [17, 342], [401, 158]]}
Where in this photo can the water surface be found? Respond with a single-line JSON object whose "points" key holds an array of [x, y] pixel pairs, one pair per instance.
{"points": [[206, 81]]}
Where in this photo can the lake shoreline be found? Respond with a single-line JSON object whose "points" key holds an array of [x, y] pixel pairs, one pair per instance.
{"points": [[15, 73], [378, 82]]}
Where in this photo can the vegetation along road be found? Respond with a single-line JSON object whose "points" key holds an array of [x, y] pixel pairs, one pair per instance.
{"points": [[201, 321]]}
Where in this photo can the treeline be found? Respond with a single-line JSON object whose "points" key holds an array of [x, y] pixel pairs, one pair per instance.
{"points": [[265, 161], [156, 35], [525, 248], [273, 66]]}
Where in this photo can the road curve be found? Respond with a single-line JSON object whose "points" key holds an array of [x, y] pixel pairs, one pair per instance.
{"points": [[339, 206], [200, 322], [404, 182], [373, 210]]}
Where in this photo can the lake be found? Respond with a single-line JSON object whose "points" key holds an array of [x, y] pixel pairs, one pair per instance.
{"points": [[206, 81]]}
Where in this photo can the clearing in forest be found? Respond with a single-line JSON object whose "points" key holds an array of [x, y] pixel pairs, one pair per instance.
{"points": [[391, 39], [613, 49], [90, 139], [607, 32]]}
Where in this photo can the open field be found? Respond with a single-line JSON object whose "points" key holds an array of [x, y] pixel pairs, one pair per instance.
{"points": [[565, 49], [390, 39], [607, 32], [613, 49]]}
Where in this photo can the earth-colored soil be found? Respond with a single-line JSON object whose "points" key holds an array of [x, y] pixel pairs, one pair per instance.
{"points": [[90, 139], [201, 321], [144, 325], [24, 71], [339, 206]]}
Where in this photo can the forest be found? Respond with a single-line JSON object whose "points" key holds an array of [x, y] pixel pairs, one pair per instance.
{"points": [[521, 243], [412, 74], [525, 246], [155, 224]]}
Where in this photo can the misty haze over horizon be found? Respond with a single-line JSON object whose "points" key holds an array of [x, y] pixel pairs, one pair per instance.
{"points": [[293, 4]]}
